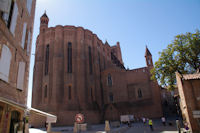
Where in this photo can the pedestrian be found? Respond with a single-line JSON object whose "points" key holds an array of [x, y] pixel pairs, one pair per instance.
{"points": [[163, 120], [178, 126], [186, 126], [144, 120], [45, 125], [129, 124], [151, 124]]}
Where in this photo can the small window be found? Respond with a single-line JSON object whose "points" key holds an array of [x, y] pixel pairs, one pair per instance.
{"points": [[149, 61], [139, 93], [5, 61], [21, 73], [111, 97], [45, 91], [8, 16], [109, 80], [24, 35], [28, 43], [28, 5], [69, 93]]}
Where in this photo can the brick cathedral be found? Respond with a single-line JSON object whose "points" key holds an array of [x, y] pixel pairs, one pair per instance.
{"points": [[75, 72]]}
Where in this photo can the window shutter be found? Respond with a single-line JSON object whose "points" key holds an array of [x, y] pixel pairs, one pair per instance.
{"points": [[28, 5], [20, 77], [24, 34], [28, 43], [5, 63], [14, 19], [5, 5]]}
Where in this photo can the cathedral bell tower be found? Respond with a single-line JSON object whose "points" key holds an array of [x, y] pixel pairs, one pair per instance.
{"points": [[148, 57], [44, 20]]}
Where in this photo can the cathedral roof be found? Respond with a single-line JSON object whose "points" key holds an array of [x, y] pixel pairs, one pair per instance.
{"points": [[147, 52]]}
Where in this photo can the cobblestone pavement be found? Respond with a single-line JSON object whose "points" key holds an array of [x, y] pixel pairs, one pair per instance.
{"points": [[158, 128], [135, 128]]}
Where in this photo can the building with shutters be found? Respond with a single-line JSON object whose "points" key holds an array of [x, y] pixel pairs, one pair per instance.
{"points": [[189, 97], [75, 72], [16, 29]]}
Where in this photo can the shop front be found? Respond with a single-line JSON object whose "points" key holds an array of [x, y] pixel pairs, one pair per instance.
{"points": [[12, 117]]}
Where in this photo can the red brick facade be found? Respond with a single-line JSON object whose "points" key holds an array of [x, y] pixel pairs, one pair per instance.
{"points": [[189, 92], [16, 28], [76, 72]]}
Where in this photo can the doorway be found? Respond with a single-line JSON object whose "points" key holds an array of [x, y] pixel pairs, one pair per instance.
{"points": [[1, 114], [14, 122]]}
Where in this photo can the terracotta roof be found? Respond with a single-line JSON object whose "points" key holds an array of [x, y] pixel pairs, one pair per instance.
{"points": [[191, 76]]}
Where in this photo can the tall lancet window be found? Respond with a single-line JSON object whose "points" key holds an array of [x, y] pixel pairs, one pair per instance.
{"points": [[69, 93], [45, 91], [69, 64], [139, 93], [90, 59], [111, 97], [109, 80], [47, 60]]}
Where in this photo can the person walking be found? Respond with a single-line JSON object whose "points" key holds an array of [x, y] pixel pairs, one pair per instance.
{"points": [[144, 120], [178, 126], [151, 124], [163, 121]]}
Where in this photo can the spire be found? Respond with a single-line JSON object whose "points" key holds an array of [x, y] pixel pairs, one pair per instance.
{"points": [[148, 57], [147, 52], [106, 42], [45, 15], [44, 20]]}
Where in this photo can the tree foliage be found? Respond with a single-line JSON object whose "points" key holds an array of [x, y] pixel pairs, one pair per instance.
{"points": [[182, 55]]}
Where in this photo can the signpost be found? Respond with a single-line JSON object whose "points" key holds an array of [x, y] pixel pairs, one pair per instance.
{"points": [[78, 125], [79, 118]]}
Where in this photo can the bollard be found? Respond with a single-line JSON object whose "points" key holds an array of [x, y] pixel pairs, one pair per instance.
{"points": [[107, 126], [75, 127], [49, 128], [26, 128]]}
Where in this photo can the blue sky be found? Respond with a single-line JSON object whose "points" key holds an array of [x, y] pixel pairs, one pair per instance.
{"points": [[134, 23]]}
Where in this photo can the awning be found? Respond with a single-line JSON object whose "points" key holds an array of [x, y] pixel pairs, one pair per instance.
{"points": [[50, 118], [13, 103]]}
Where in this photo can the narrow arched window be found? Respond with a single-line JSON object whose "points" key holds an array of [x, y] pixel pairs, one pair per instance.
{"points": [[149, 61], [45, 91], [69, 93], [111, 97], [90, 59], [47, 60], [139, 93], [69, 57], [91, 94], [109, 80], [5, 61]]}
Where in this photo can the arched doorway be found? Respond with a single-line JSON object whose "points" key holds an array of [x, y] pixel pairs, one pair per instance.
{"points": [[1, 114], [14, 122]]}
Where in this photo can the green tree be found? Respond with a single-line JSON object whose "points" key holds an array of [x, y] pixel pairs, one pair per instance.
{"points": [[182, 55]]}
